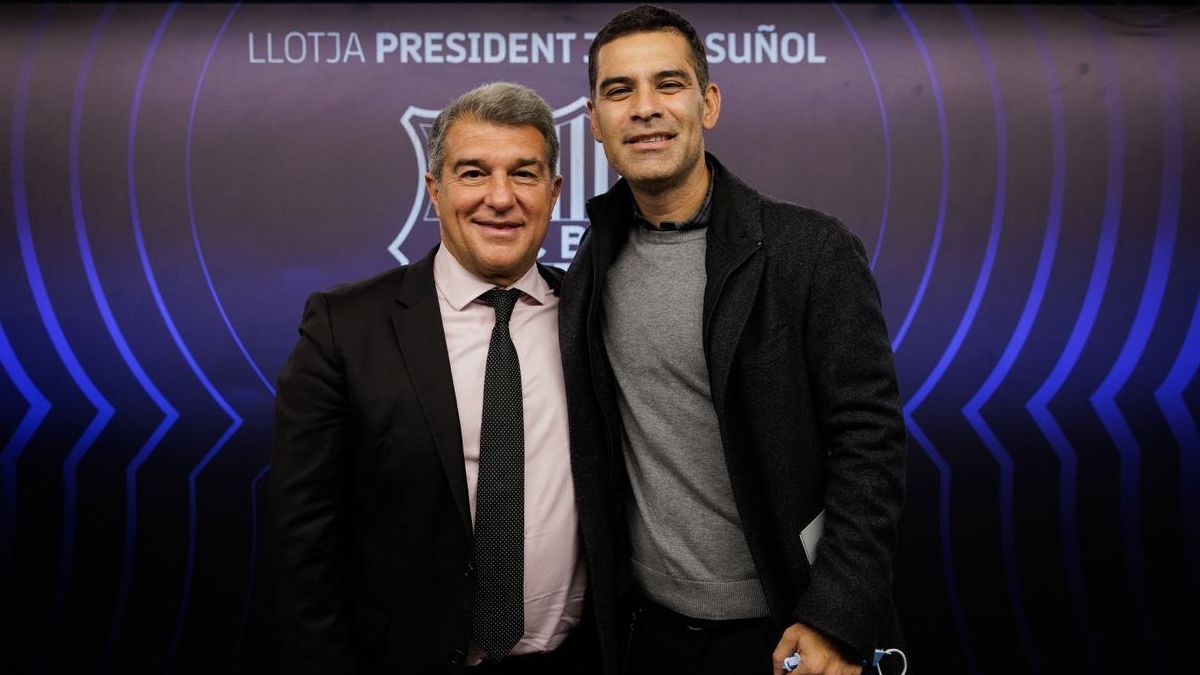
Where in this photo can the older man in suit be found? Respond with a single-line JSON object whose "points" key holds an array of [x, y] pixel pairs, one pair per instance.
{"points": [[421, 480]]}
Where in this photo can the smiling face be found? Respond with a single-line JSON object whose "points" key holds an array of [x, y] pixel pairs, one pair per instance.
{"points": [[650, 112], [494, 197]]}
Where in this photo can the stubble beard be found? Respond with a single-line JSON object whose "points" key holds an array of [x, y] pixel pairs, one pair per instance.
{"points": [[662, 183]]}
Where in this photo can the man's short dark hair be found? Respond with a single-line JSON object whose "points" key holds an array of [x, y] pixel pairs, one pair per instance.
{"points": [[647, 19]]}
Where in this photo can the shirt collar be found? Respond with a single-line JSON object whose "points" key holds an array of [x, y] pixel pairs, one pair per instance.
{"points": [[698, 220], [460, 287]]}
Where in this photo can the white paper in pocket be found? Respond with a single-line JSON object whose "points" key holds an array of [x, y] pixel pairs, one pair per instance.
{"points": [[810, 536]]}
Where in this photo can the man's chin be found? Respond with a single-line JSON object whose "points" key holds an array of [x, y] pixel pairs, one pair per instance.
{"points": [[504, 267], [654, 175], [654, 182]]}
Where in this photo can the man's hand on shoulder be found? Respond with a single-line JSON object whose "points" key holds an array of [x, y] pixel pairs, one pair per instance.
{"points": [[818, 656]]}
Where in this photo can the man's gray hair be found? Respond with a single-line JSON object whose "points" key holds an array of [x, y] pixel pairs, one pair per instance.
{"points": [[502, 103]]}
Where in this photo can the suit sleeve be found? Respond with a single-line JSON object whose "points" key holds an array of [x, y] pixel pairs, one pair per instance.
{"points": [[309, 499], [858, 410]]}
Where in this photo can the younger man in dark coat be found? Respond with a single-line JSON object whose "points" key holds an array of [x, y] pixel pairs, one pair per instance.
{"points": [[731, 388]]}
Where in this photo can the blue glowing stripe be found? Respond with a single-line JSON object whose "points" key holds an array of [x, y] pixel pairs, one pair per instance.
{"points": [[1033, 304], [887, 136], [127, 552], [199, 468], [236, 420], [1104, 398], [943, 197], [81, 233], [956, 610], [114, 330], [194, 474], [39, 407], [1008, 536], [45, 307], [1038, 405], [143, 255], [250, 568], [951, 578], [192, 211], [1170, 398]]}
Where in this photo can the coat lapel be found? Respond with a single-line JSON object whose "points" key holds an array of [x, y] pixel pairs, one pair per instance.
{"points": [[734, 263], [732, 306], [417, 321]]}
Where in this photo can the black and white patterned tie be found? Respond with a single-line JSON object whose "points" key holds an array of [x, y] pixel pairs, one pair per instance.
{"points": [[499, 619]]}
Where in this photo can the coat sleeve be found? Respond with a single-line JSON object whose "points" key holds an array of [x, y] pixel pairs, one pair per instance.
{"points": [[856, 396], [308, 491]]}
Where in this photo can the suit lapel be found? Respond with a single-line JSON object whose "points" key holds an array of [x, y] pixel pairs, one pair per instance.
{"points": [[417, 321]]}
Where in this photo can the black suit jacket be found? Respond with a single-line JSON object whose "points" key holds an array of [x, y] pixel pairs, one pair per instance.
{"points": [[368, 486]]}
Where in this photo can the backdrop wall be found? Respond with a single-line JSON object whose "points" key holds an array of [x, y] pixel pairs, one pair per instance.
{"points": [[177, 178]]}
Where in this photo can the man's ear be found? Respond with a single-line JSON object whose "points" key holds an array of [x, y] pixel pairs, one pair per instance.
{"points": [[712, 106], [556, 190], [591, 108], [432, 187]]}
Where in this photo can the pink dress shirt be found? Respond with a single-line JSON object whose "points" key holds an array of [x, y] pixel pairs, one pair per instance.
{"points": [[555, 580]]}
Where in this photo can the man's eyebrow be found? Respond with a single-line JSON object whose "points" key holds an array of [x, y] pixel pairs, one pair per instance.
{"points": [[677, 74], [480, 164], [660, 75], [468, 161], [616, 79]]}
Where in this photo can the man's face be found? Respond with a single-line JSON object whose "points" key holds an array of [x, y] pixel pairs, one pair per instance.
{"points": [[494, 198], [649, 111]]}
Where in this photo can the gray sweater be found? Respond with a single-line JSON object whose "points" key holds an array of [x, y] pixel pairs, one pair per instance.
{"points": [[688, 549]]}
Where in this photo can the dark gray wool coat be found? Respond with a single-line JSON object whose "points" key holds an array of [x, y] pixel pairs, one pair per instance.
{"points": [[805, 393]]}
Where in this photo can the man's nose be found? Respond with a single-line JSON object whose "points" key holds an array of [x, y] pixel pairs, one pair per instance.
{"points": [[499, 194], [646, 104]]}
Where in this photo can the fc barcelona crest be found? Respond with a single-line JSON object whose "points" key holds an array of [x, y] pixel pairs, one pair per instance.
{"points": [[581, 163]]}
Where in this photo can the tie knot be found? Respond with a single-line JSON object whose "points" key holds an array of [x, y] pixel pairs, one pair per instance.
{"points": [[502, 301]]}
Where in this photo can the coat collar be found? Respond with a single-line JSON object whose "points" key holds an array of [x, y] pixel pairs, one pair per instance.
{"points": [[736, 206]]}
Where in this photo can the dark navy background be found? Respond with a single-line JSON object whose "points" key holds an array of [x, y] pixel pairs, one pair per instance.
{"points": [[1024, 180]]}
